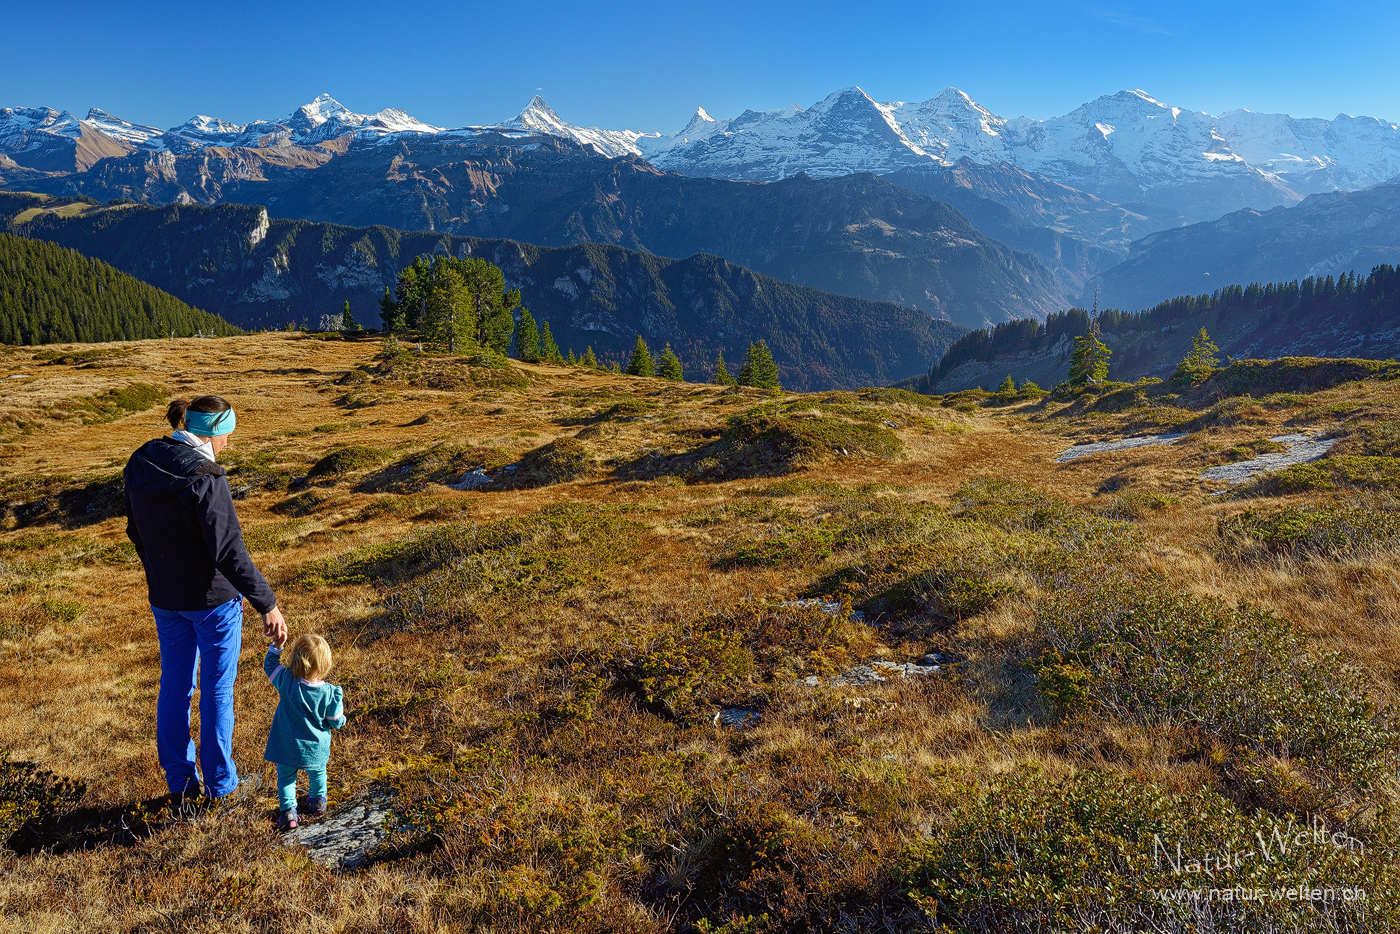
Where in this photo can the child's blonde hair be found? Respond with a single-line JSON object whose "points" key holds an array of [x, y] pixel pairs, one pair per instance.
{"points": [[308, 657]]}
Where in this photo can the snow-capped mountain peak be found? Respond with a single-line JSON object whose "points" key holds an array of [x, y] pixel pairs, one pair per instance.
{"points": [[133, 134], [322, 109], [538, 117]]}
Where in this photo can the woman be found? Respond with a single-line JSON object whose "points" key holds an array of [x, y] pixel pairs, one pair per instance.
{"points": [[181, 519]]}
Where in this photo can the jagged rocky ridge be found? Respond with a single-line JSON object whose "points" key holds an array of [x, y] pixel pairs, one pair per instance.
{"points": [[261, 272]]}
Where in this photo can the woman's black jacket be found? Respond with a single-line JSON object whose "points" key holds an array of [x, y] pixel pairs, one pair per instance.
{"points": [[181, 519]]}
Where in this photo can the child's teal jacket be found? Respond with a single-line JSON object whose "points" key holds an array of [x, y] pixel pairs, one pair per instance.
{"points": [[306, 714]]}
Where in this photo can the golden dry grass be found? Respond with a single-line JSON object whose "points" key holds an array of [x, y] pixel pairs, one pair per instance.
{"points": [[472, 707]]}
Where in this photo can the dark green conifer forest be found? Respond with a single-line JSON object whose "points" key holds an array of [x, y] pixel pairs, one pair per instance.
{"points": [[51, 294]]}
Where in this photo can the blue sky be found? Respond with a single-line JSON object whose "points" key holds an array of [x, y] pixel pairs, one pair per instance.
{"points": [[645, 66]]}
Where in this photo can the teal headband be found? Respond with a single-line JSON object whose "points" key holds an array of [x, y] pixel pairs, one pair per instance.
{"points": [[210, 424]]}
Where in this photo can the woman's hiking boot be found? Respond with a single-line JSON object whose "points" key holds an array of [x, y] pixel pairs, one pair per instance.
{"points": [[287, 820], [316, 806]]}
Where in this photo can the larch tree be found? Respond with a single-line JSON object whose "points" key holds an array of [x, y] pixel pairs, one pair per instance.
{"points": [[1200, 362]]}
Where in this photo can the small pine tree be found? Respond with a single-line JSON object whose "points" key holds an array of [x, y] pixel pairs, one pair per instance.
{"points": [[571, 361], [639, 364], [347, 320], [588, 358], [670, 367], [527, 338], [1007, 387], [1197, 365], [1088, 364], [759, 369], [549, 350], [614, 367], [722, 377]]}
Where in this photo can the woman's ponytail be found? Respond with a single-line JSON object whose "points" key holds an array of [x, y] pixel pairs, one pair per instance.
{"points": [[175, 412]]}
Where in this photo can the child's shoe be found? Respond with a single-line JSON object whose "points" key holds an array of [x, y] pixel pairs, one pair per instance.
{"points": [[288, 820], [316, 806]]}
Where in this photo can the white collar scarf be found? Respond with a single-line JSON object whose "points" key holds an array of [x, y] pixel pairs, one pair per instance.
{"points": [[202, 445]]}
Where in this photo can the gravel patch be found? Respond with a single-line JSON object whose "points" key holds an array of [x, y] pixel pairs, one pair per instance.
{"points": [[1099, 447], [1302, 448]]}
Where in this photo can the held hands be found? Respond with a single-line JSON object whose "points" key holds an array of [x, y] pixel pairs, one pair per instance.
{"points": [[275, 627]]}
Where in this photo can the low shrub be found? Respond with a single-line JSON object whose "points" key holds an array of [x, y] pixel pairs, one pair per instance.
{"points": [[31, 500], [559, 461], [1347, 470], [1131, 648], [442, 463], [346, 460], [1101, 851], [1300, 530], [763, 442], [1136, 504]]}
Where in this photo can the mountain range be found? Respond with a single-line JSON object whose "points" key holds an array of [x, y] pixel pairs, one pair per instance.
{"points": [[261, 272], [1124, 148], [853, 235], [940, 205]]}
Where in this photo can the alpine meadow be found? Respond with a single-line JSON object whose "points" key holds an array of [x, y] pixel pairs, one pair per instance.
{"points": [[856, 515]]}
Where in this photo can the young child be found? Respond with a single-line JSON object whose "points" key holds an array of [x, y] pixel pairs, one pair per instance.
{"points": [[308, 710]]}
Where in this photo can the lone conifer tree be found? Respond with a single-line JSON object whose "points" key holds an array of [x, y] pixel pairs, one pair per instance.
{"points": [[347, 320], [572, 361], [588, 358], [1197, 365], [722, 377], [759, 369], [670, 367], [447, 311], [390, 314], [639, 364], [1007, 387], [527, 338], [1088, 364], [549, 350]]}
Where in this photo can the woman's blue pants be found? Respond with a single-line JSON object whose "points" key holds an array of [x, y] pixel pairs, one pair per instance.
{"points": [[206, 643]]}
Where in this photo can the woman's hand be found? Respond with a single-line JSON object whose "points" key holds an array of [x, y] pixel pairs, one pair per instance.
{"points": [[275, 627]]}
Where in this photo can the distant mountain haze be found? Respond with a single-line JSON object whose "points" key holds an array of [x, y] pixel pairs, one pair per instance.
{"points": [[1326, 235]]}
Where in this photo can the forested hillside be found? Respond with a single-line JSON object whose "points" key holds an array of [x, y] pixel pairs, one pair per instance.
{"points": [[52, 294], [1349, 316], [262, 272]]}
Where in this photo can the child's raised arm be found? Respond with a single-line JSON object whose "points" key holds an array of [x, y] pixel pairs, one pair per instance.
{"points": [[271, 662]]}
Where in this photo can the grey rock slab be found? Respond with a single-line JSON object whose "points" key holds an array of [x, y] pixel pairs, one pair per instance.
{"points": [[738, 718], [1099, 447], [344, 839], [875, 673], [1302, 448], [471, 480], [829, 607]]}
